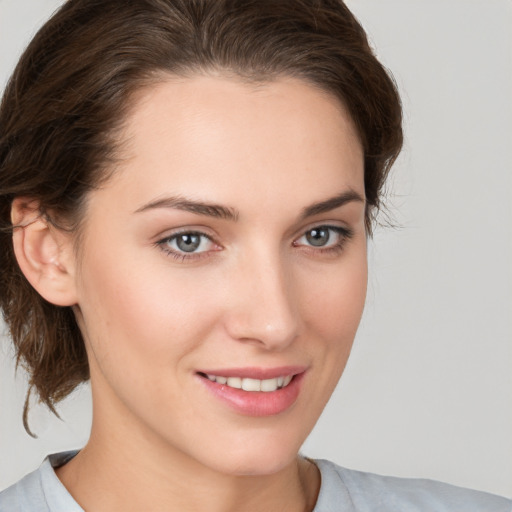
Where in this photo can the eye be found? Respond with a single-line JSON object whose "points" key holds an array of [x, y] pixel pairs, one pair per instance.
{"points": [[186, 244], [318, 237], [324, 237]]}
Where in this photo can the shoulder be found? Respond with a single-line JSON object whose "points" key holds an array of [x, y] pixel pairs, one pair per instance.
{"points": [[40, 491], [364, 492], [25, 495]]}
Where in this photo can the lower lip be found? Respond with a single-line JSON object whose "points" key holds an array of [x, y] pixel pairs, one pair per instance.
{"points": [[256, 403]]}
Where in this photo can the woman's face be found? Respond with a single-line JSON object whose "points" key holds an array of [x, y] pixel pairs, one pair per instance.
{"points": [[230, 243]]}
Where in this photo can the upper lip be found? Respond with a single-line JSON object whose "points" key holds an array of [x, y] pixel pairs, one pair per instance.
{"points": [[255, 372]]}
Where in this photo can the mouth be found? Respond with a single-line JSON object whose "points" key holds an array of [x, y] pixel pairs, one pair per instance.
{"points": [[254, 391], [249, 384]]}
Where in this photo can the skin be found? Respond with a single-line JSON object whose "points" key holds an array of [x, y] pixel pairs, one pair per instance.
{"points": [[258, 294]]}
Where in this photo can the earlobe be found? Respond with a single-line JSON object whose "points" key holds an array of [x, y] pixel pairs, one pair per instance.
{"points": [[44, 253]]}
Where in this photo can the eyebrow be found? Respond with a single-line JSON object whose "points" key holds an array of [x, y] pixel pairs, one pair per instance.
{"points": [[331, 204], [189, 205], [227, 213]]}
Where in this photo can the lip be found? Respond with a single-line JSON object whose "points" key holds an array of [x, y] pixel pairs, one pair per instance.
{"points": [[256, 403], [256, 372]]}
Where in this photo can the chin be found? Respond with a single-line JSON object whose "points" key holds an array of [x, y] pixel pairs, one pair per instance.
{"points": [[265, 457]]}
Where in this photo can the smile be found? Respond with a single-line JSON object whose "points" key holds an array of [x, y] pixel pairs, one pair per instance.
{"points": [[247, 384], [255, 391]]}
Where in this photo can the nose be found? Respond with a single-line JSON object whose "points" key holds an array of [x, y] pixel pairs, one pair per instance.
{"points": [[262, 308]]}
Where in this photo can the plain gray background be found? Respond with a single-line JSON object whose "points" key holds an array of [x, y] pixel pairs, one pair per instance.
{"points": [[428, 390]]}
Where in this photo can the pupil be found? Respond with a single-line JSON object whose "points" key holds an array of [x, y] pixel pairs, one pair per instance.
{"points": [[188, 243], [318, 236]]}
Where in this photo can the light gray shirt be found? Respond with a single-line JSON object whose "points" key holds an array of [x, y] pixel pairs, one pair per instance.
{"points": [[342, 490]]}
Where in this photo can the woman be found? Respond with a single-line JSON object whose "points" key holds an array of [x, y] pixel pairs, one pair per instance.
{"points": [[187, 188]]}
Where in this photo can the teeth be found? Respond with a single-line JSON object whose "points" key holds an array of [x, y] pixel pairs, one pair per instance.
{"points": [[251, 384], [269, 384], [235, 382], [266, 385]]}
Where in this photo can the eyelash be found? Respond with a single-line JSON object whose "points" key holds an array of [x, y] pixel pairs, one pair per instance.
{"points": [[343, 233], [163, 244]]}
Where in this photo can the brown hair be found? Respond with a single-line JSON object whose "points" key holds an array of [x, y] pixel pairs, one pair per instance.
{"points": [[71, 90]]}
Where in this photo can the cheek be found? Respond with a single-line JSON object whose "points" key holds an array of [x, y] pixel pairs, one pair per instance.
{"points": [[336, 299], [142, 314], [142, 328], [331, 318]]}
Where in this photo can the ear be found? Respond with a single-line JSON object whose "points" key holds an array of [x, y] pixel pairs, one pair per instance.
{"points": [[44, 253]]}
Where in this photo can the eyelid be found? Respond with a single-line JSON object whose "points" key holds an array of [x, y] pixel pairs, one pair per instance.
{"points": [[334, 225], [162, 242], [344, 233], [193, 228]]}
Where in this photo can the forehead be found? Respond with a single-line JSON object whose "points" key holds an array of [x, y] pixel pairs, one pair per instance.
{"points": [[222, 138]]}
